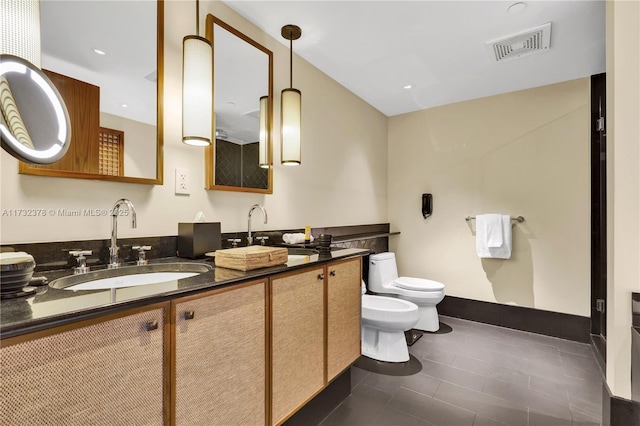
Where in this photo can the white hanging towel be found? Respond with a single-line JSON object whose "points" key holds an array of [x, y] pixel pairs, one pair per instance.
{"points": [[493, 236]]}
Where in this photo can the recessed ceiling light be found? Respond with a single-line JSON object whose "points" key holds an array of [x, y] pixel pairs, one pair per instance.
{"points": [[124, 105], [516, 8], [99, 52], [408, 86]]}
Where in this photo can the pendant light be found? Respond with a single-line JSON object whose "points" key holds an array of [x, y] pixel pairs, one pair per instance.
{"points": [[197, 87], [263, 142], [291, 106]]}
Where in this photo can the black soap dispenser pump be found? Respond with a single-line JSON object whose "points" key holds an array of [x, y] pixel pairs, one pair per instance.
{"points": [[427, 205]]}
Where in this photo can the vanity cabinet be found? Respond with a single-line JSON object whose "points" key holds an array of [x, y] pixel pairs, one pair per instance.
{"points": [[249, 353], [297, 340], [220, 356], [315, 332], [343, 315], [104, 371]]}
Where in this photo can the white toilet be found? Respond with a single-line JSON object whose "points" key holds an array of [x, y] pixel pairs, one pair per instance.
{"points": [[384, 320], [384, 280]]}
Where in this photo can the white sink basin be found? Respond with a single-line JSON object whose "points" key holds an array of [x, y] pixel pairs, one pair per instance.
{"points": [[131, 280], [297, 257], [131, 276]]}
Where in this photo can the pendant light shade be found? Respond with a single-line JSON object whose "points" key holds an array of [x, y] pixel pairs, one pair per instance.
{"points": [[290, 108], [290, 119], [263, 143], [197, 89], [20, 29]]}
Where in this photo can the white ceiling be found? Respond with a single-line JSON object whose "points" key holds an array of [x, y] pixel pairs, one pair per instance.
{"points": [[125, 30], [375, 48]]}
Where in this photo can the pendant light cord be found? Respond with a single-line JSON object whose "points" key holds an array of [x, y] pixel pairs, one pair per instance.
{"points": [[291, 63], [198, 18]]}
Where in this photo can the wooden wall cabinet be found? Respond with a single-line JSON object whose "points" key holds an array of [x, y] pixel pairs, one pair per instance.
{"points": [[220, 357], [83, 103], [104, 371]]}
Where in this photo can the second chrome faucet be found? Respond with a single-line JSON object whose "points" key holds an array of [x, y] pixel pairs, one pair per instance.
{"points": [[114, 262], [264, 214]]}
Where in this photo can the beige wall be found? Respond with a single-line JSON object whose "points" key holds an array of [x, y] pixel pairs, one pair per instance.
{"points": [[342, 179], [623, 186], [522, 153]]}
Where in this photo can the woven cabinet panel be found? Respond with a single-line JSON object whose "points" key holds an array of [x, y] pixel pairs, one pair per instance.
{"points": [[220, 359], [110, 373], [343, 315], [297, 333]]}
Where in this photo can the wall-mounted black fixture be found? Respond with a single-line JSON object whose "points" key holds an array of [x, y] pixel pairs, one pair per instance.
{"points": [[427, 205]]}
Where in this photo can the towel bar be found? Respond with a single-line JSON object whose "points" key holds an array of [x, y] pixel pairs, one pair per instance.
{"points": [[519, 219]]}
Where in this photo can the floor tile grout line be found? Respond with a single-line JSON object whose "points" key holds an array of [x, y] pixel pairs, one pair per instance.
{"points": [[542, 394], [514, 330], [403, 412], [438, 400], [515, 346]]}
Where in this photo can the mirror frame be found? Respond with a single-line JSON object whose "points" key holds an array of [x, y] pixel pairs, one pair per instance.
{"points": [[209, 152], [27, 169]]}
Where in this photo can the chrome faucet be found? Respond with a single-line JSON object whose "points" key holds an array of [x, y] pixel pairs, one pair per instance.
{"points": [[113, 250], [264, 214]]}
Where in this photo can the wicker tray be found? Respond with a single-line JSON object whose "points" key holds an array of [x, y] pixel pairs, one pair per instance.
{"points": [[252, 257]]}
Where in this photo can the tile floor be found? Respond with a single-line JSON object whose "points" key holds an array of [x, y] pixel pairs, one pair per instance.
{"points": [[478, 374]]}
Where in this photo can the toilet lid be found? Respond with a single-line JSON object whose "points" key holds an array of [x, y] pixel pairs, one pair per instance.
{"points": [[418, 284]]}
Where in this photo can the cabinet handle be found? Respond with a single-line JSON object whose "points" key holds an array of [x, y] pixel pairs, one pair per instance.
{"points": [[332, 273], [151, 325], [189, 315], [320, 277]]}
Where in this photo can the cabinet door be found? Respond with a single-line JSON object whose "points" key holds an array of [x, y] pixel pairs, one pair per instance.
{"points": [[343, 315], [297, 333], [220, 351], [108, 371]]}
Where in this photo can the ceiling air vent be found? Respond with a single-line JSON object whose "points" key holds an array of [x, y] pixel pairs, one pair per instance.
{"points": [[525, 43]]}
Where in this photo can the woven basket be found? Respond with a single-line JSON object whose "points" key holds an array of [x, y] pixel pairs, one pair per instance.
{"points": [[251, 257]]}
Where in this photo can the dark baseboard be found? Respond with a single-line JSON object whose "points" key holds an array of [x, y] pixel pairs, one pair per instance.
{"points": [[323, 403], [618, 411], [555, 324]]}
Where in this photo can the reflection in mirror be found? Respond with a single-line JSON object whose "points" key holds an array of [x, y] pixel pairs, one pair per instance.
{"points": [[105, 58], [241, 155], [34, 123]]}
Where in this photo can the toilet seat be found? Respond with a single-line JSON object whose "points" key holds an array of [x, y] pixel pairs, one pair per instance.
{"points": [[389, 313], [418, 284]]}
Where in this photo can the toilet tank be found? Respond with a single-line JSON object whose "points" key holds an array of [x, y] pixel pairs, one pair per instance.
{"points": [[382, 271]]}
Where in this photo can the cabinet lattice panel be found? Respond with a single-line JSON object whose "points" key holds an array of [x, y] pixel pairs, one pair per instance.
{"points": [[220, 359], [343, 316], [110, 373], [297, 341]]}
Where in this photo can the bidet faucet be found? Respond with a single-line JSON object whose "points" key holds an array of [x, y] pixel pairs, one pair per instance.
{"points": [[264, 214], [113, 250]]}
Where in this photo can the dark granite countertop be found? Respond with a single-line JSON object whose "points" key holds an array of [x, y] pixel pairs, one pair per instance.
{"points": [[50, 307]]}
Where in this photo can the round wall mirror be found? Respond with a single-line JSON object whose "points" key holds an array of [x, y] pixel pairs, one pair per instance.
{"points": [[34, 122]]}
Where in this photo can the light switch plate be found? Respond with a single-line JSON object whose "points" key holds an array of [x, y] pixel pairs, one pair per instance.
{"points": [[183, 184]]}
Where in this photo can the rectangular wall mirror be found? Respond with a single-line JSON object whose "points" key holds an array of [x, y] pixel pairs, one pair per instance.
{"points": [[242, 76], [106, 60]]}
